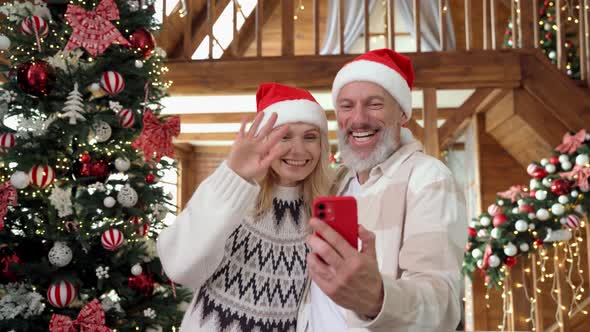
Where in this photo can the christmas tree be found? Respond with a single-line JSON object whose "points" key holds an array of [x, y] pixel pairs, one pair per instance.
{"points": [[548, 35], [82, 146]]}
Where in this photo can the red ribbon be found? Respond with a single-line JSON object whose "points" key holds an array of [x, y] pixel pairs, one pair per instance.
{"points": [[92, 30], [8, 197], [580, 175], [156, 137], [572, 142], [90, 319], [513, 194]]}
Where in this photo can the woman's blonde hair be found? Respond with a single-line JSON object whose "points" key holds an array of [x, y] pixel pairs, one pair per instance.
{"points": [[316, 184]]}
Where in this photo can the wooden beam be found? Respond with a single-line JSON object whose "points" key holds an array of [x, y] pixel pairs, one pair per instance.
{"points": [[446, 70], [417, 32], [288, 28], [457, 123], [416, 129], [431, 145], [528, 23], [222, 136], [248, 32], [206, 118]]}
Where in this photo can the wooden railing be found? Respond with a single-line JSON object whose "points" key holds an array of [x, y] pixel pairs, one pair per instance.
{"points": [[477, 24]]}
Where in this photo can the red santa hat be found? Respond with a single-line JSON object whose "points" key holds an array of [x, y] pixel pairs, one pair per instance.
{"points": [[291, 105], [384, 67]]}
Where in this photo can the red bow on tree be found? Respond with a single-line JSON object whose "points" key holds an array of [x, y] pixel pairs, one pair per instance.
{"points": [[8, 197], [580, 175], [513, 194], [572, 142], [90, 319], [92, 30], [157, 137]]}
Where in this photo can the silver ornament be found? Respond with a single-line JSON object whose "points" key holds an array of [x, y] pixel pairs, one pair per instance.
{"points": [[127, 196], [138, 64], [60, 254], [543, 214], [122, 164], [4, 43], [566, 166], [485, 221], [557, 209], [109, 202], [563, 158], [494, 261], [521, 226], [476, 253], [20, 180], [510, 250], [541, 195], [102, 131], [524, 247], [136, 269], [582, 159], [563, 199]]}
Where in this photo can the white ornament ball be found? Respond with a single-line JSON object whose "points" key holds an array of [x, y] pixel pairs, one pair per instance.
{"points": [[582, 159], [552, 55], [4, 43], [532, 226], [160, 212], [476, 253], [541, 195], [557, 209], [521, 202], [20, 180], [543, 214], [521, 226], [563, 199], [547, 182], [472, 224], [544, 162], [510, 250], [138, 64], [122, 164], [109, 202], [482, 233], [102, 131], [524, 247], [566, 166], [579, 209], [515, 210], [127, 196], [574, 193], [485, 221], [494, 261], [563, 158], [493, 209], [532, 216], [534, 184], [479, 263], [94, 87], [60, 254], [496, 233], [136, 269]]}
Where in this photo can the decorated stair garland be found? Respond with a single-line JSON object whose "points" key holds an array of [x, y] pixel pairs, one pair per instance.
{"points": [[527, 218]]}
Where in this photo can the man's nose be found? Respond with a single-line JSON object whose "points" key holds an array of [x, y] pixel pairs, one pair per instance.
{"points": [[359, 115]]}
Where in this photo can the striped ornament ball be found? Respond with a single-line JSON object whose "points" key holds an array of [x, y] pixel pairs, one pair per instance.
{"points": [[61, 294]]}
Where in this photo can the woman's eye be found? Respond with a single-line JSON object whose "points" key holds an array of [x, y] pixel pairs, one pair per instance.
{"points": [[286, 138], [311, 137]]}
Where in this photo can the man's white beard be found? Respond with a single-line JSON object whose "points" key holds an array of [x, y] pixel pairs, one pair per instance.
{"points": [[383, 150]]}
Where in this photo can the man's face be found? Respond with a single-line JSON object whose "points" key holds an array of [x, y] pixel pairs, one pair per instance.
{"points": [[369, 123]]}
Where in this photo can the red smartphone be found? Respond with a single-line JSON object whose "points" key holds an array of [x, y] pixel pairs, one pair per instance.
{"points": [[341, 214]]}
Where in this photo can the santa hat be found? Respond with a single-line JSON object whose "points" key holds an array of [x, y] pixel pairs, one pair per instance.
{"points": [[291, 105], [384, 67]]}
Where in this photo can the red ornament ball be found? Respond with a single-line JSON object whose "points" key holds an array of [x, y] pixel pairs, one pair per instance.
{"points": [[143, 283], [85, 158], [144, 41], [526, 208], [554, 160], [150, 178], [471, 232], [510, 261], [560, 187], [499, 219], [35, 78], [61, 294], [539, 242], [533, 193], [539, 173], [547, 36]]}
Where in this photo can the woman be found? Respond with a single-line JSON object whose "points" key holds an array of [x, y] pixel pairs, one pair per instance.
{"points": [[240, 242]]}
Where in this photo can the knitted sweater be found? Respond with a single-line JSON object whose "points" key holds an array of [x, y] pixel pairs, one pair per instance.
{"points": [[248, 273]]}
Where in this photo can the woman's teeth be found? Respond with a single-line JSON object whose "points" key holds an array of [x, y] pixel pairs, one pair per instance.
{"points": [[295, 162]]}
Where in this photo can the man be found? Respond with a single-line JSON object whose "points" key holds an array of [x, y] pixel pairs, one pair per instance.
{"points": [[412, 215]]}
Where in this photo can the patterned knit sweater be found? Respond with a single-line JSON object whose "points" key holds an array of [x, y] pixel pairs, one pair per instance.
{"points": [[253, 278]]}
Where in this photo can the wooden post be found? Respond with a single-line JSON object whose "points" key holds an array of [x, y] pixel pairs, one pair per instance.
{"points": [[316, 26], [582, 40], [527, 12], [288, 28], [587, 242], [259, 13], [234, 44], [442, 8], [417, 26], [510, 299], [186, 41], [493, 22], [391, 23], [560, 279], [535, 19], [431, 143], [468, 25], [164, 16], [536, 296], [367, 26], [587, 40], [514, 21], [560, 38], [341, 24], [210, 22], [485, 24]]}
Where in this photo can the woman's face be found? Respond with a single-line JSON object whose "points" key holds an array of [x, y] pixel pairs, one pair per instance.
{"points": [[303, 143]]}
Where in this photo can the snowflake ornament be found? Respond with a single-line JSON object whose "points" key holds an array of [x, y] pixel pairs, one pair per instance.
{"points": [[150, 313], [96, 187], [102, 272], [61, 200]]}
